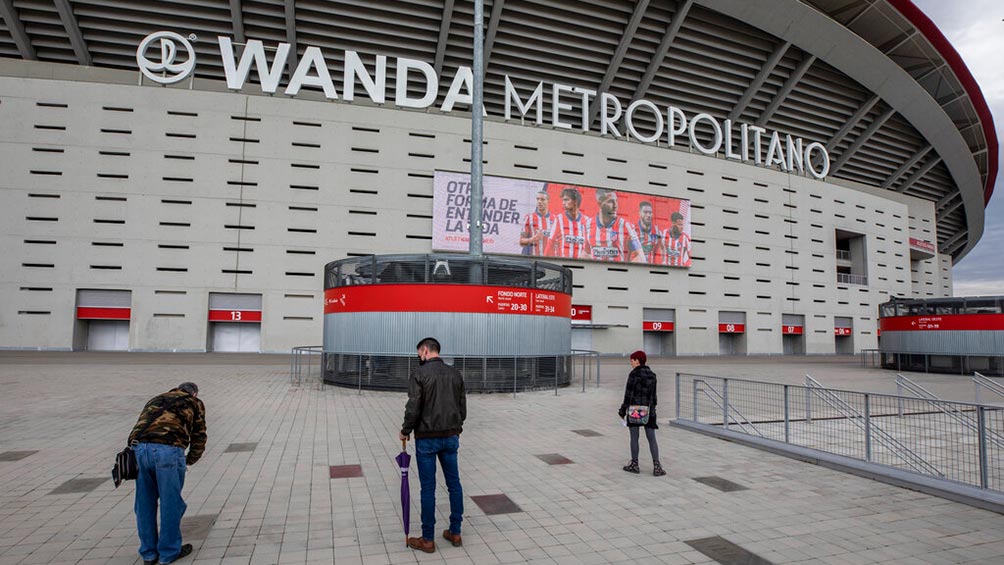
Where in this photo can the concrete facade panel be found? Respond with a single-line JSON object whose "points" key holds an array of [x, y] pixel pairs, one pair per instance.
{"points": [[763, 240]]}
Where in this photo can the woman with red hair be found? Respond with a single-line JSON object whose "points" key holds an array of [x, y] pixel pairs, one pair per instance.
{"points": [[638, 409]]}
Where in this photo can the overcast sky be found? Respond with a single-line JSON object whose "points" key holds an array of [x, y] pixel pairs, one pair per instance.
{"points": [[976, 29]]}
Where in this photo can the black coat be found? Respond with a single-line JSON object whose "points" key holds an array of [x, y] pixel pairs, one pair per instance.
{"points": [[437, 401], [640, 390]]}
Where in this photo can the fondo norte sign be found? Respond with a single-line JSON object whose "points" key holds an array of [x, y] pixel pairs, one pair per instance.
{"points": [[757, 145]]}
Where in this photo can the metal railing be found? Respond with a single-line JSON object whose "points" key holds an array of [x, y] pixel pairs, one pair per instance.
{"points": [[956, 442], [301, 362], [872, 431], [509, 374], [843, 255], [981, 381], [848, 278], [720, 399], [933, 362], [869, 357], [585, 361], [961, 417]]}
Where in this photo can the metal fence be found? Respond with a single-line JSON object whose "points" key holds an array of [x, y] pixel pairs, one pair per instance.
{"points": [[381, 371], [848, 278], [301, 363], [933, 363], [447, 268], [952, 441]]}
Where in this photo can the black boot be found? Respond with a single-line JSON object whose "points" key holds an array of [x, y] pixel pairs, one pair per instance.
{"points": [[632, 467], [657, 469]]}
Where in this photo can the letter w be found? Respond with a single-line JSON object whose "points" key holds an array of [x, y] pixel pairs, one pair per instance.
{"points": [[254, 50]]}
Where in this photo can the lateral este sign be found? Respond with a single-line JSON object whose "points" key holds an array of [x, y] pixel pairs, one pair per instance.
{"points": [[542, 104]]}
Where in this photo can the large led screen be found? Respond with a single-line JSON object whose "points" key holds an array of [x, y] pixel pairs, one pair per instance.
{"points": [[547, 219]]}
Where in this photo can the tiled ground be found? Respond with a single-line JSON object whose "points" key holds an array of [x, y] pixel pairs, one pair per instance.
{"points": [[278, 503]]}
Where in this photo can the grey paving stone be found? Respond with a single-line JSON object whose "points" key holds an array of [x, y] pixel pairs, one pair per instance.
{"points": [[240, 447], [16, 455], [197, 527], [721, 484], [554, 459], [492, 504], [280, 499], [78, 485]]}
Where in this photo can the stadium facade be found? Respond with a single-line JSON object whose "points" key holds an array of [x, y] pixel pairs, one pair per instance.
{"points": [[176, 178]]}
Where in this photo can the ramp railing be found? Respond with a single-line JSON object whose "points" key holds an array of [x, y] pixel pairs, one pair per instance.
{"points": [[981, 382], [872, 431], [962, 417], [905, 436]]}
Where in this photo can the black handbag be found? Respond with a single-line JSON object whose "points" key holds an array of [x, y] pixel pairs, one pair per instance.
{"points": [[125, 468]]}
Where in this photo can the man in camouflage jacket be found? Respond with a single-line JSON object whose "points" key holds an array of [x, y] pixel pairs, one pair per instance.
{"points": [[169, 423]]}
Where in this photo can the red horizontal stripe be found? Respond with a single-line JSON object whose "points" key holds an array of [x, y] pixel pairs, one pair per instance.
{"points": [[731, 328], [657, 326], [792, 330], [92, 313], [447, 298], [950, 322], [235, 315]]}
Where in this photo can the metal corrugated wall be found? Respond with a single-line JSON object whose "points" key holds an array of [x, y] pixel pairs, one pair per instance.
{"points": [[490, 335], [945, 342]]}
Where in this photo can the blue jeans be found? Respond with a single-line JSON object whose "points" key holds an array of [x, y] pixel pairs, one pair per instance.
{"points": [[161, 475], [427, 450]]}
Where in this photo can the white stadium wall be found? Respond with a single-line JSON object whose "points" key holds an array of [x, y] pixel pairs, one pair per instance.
{"points": [[174, 194]]}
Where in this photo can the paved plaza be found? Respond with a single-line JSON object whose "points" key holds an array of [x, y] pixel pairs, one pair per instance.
{"points": [[264, 491]]}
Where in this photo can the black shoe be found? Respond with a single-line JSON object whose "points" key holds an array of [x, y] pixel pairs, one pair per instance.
{"points": [[657, 469], [632, 467], [186, 550], [151, 562]]}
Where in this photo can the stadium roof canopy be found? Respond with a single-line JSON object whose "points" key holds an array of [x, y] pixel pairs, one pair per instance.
{"points": [[874, 80]]}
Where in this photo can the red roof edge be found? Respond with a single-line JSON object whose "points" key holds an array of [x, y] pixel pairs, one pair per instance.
{"points": [[924, 24]]}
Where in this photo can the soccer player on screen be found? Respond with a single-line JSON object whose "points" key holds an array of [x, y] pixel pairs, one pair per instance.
{"points": [[613, 238], [570, 230], [676, 244], [537, 227], [649, 234]]}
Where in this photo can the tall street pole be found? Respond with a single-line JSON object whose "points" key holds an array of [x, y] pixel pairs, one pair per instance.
{"points": [[477, 131]]}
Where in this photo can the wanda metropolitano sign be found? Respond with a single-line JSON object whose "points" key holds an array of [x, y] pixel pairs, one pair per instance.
{"points": [[167, 57]]}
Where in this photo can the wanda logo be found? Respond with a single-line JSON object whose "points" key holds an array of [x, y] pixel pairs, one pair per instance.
{"points": [[163, 65]]}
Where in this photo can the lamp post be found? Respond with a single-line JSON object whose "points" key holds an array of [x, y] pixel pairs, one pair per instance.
{"points": [[477, 131]]}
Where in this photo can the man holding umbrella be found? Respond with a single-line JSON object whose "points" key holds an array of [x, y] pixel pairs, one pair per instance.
{"points": [[436, 410]]}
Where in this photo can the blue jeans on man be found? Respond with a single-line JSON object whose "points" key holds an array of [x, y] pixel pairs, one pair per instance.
{"points": [[427, 451], [161, 476]]}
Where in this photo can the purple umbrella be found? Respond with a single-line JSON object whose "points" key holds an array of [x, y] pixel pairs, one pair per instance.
{"points": [[404, 461]]}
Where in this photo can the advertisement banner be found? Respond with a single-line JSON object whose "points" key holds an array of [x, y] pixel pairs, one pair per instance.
{"points": [[546, 219]]}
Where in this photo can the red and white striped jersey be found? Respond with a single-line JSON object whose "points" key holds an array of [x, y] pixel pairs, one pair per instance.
{"points": [[651, 241], [569, 237], [677, 248], [616, 241], [534, 224]]}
